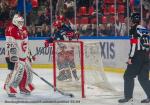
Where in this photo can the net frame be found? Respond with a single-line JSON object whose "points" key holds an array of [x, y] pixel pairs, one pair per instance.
{"points": [[99, 78]]}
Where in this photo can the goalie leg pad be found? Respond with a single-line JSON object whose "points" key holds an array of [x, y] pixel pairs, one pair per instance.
{"points": [[72, 64], [17, 74], [62, 65], [74, 72], [61, 75], [23, 82], [26, 85], [68, 74], [29, 73], [7, 80], [29, 85]]}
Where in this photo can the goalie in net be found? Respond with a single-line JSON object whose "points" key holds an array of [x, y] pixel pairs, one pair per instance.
{"points": [[66, 64], [86, 66]]}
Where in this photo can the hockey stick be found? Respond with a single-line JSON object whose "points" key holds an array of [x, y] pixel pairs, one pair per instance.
{"points": [[61, 92]]}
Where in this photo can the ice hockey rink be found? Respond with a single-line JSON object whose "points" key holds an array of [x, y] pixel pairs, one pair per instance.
{"points": [[44, 94]]}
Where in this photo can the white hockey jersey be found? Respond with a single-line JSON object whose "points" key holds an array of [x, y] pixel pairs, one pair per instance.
{"points": [[18, 39]]}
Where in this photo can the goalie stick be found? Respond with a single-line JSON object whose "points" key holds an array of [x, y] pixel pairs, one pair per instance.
{"points": [[61, 92]]}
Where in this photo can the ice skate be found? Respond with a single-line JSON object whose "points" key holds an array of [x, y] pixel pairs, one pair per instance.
{"points": [[124, 100], [146, 100], [25, 92], [11, 91]]}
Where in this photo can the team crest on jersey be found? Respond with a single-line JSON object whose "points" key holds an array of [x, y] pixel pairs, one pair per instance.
{"points": [[23, 33]]}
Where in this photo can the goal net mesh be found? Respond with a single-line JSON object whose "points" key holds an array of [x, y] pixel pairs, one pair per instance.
{"points": [[77, 65]]}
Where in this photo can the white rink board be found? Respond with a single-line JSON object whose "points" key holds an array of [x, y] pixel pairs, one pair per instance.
{"points": [[114, 52]]}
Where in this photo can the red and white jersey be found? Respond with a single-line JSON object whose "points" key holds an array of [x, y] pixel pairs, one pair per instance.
{"points": [[17, 38]]}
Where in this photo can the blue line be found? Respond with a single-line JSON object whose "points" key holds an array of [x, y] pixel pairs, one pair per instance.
{"points": [[82, 37], [105, 37]]}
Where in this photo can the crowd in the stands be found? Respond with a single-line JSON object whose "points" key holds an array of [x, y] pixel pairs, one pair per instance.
{"points": [[111, 21]]}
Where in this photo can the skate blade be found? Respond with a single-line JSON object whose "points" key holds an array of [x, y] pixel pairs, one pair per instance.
{"points": [[11, 95], [25, 93]]}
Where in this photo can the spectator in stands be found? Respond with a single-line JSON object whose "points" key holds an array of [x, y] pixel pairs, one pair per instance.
{"points": [[92, 15], [103, 30], [32, 30], [38, 32], [69, 9], [148, 25], [45, 30], [146, 4], [2, 32], [83, 3], [89, 30], [110, 30], [120, 28], [47, 15], [85, 29], [41, 19]]}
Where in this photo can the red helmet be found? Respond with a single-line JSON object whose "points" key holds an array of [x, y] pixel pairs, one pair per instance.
{"points": [[61, 18], [57, 24]]}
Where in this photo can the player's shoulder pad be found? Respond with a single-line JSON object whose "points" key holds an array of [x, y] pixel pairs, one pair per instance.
{"points": [[11, 30]]}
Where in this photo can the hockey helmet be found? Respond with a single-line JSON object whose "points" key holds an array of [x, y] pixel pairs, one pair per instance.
{"points": [[61, 18], [57, 24], [135, 17], [62, 46], [18, 21], [141, 30]]}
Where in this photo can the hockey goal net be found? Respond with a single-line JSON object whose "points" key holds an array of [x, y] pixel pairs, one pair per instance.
{"points": [[77, 64]]}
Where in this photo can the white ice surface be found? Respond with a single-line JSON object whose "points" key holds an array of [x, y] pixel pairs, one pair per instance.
{"points": [[44, 94]]}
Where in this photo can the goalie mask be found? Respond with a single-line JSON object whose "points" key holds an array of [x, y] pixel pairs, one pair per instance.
{"points": [[18, 21]]}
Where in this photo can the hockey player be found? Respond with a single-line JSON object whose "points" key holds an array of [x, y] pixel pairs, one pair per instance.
{"points": [[64, 70], [138, 61], [58, 34], [68, 28], [17, 53], [62, 31]]}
